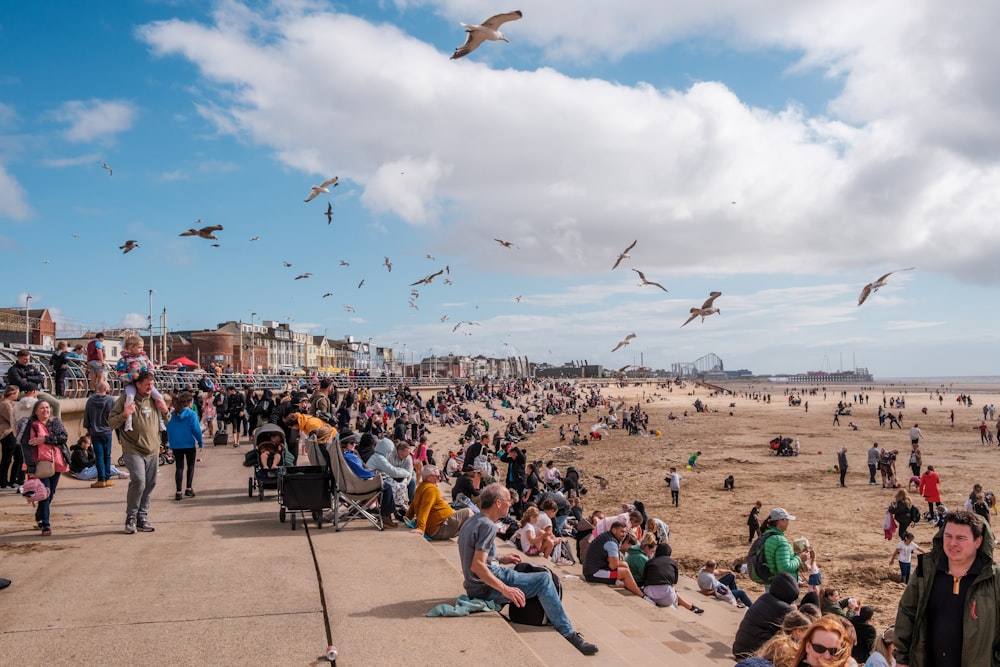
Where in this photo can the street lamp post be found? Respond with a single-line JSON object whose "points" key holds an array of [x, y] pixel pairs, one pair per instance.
{"points": [[27, 320], [371, 359], [253, 346], [152, 349]]}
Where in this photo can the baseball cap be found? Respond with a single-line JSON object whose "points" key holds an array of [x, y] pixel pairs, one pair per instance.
{"points": [[779, 513]]}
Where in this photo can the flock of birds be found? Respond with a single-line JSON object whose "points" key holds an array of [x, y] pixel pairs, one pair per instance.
{"points": [[476, 35]]}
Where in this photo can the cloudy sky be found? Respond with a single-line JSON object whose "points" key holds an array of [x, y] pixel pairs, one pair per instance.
{"points": [[782, 153]]}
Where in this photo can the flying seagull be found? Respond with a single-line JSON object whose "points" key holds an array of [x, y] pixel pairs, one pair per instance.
{"points": [[329, 212], [304, 275], [624, 343], [447, 269], [344, 262], [129, 246], [387, 264], [447, 281], [428, 279], [415, 293], [204, 232], [871, 288], [624, 368], [455, 328], [413, 305], [624, 255], [348, 308], [642, 277], [328, 294], [255, 238], [518, 298], [323, 189], [104, 165], [444, 318], [430, 257], [505, 244], [489, 30], [287, 264], [706, 308], [361, 283], [216, 245]]}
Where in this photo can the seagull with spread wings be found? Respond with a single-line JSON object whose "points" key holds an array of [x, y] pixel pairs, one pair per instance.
{"points": [[489, 30], [129, 246], [287, 264], [430, 257], [104, 165], [329, 212], [624, 255], [303, 276], [344, 262], [387, 264], [642, 277], [706, 309], [871, 288], [624, 343], [505, 244], [428, 279], [322, 189], [204, 232], [349, 308]]}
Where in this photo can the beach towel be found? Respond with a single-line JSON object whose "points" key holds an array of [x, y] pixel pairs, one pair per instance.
{"points": [[464, 606], [889, 526]]}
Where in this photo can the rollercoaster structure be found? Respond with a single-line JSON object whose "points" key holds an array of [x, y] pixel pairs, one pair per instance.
{"points": [[709, 363]]}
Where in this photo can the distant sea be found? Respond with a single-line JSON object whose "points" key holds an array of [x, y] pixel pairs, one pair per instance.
{"points": [[954, 384]]}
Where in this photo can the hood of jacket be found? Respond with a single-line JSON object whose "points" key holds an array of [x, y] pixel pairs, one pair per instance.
{"points": [[185, 416], [785, 588], [663, 549], [384, 447]]}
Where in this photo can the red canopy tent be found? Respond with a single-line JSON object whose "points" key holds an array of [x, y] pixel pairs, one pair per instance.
{"points": [[183, 361]]}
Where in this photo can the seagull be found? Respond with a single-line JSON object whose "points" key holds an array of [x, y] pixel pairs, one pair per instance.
{"points": [[216, 245], [329, 212], [255, 238], [323, 189], [455, 328], [76, 236], [428, 279], [489, 30], [624, 255], [430, 257], [624, 343], [361, 283], [344, 262], [505, 244], [871, 288], [444, 318], [706, 308], [287, 264], [104, 165], [623, 368], [328, 294], [129, 246], [413, 305], [518, 298], [204, 232], [304, 275], [447, 281], [602, 483], [642, 277], [349, 308], [447, 269], [387, 264], [415, 293]]}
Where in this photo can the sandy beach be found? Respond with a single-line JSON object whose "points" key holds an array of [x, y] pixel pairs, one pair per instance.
{"points": [[844, 525]]}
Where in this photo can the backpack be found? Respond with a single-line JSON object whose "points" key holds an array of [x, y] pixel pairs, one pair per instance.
{"points": [[57, 361], [532, 612], [914, 514], [756, 563]]}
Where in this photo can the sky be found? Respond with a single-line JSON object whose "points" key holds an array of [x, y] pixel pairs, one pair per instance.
{"points": [[782, 153]]}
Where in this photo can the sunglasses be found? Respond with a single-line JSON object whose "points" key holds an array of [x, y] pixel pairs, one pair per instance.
{"points": [[819, 649]]}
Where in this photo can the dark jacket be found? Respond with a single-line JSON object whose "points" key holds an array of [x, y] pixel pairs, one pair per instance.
{"points": [[80, 458], [26, 377], [597, 558], [763, 619], [235, 405], [980, 639], [515, 468], [96, 413], [866, 639], [661, 569]]}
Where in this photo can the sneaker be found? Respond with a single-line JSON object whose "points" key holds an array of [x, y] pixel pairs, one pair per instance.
{"points": [[388, 522], [697, 610], [108, 483], [178, 496], [565, 561], [189, 493], [740, 605], [649, 599], [581, 644], [97, 485], [130, 527], [145, 527], [46, 531]]}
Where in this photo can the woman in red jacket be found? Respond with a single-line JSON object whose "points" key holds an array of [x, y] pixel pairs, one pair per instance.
{"points": [[929, 488]]}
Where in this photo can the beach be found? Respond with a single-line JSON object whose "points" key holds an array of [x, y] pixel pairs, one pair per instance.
{"points": [[844, 525]]}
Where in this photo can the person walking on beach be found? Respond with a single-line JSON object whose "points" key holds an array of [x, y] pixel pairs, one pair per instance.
{"points": [[915, 458], [753, 521], [873, 456], [836, 416], [936, 624], [915, 435], [930, 489], [842, 464], [140, 448], [675, 486], [184, 434]]}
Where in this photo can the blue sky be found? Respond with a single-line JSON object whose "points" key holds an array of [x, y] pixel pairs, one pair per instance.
{"points": [[784, 154]]}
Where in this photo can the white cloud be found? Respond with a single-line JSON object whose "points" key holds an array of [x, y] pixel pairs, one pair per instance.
{"points": [[61, 162], [94, 120], [134, 321], [13, 203]]}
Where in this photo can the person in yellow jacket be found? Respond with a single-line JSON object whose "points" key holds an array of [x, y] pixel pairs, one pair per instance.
{"points": [[431, 516]]}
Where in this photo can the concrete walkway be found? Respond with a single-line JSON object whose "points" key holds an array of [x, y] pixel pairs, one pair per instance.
{"points": [[223, 582]]}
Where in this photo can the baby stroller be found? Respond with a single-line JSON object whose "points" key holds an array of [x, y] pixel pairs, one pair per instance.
{"points": [[270, 453]]}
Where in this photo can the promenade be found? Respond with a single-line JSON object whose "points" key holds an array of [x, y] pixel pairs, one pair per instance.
{"points": [[222, 582]]}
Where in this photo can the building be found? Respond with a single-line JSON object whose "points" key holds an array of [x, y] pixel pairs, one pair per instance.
{"points": [[32, 327]]}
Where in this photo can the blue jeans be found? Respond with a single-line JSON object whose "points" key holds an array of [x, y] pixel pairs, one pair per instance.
{"points": [[534, 584], [102, 455], [904, 571], [42, 510], [558, 524], [729, 581]]}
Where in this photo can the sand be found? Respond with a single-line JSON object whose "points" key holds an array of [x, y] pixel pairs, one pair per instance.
{"points": [[844, 525]]}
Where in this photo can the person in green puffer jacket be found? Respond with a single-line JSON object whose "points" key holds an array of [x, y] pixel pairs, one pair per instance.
{"points": [[949, 611], [778, 553], [638, 554]]}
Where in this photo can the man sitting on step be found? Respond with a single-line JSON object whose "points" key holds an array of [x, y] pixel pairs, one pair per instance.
{"points": [[485, 579], [602, 564]]}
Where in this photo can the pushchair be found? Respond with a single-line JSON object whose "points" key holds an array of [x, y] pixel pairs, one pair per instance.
{"points": [[270, 453]]}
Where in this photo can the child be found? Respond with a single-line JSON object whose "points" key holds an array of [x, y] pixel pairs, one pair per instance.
{"points": [[815, 577], [528, 538], [133, 361], [753, 521], [905, 551], [693, 459], [675, 486]]}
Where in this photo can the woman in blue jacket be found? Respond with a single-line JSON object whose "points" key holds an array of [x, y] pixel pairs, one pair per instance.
{"points": [[183, 434]]}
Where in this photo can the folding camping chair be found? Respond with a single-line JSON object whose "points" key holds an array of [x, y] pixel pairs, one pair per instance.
{"points": [[353, 497]]}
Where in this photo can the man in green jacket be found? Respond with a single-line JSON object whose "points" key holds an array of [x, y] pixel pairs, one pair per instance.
{"points": [[949, 614], [778, 552], [140, 448]]}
